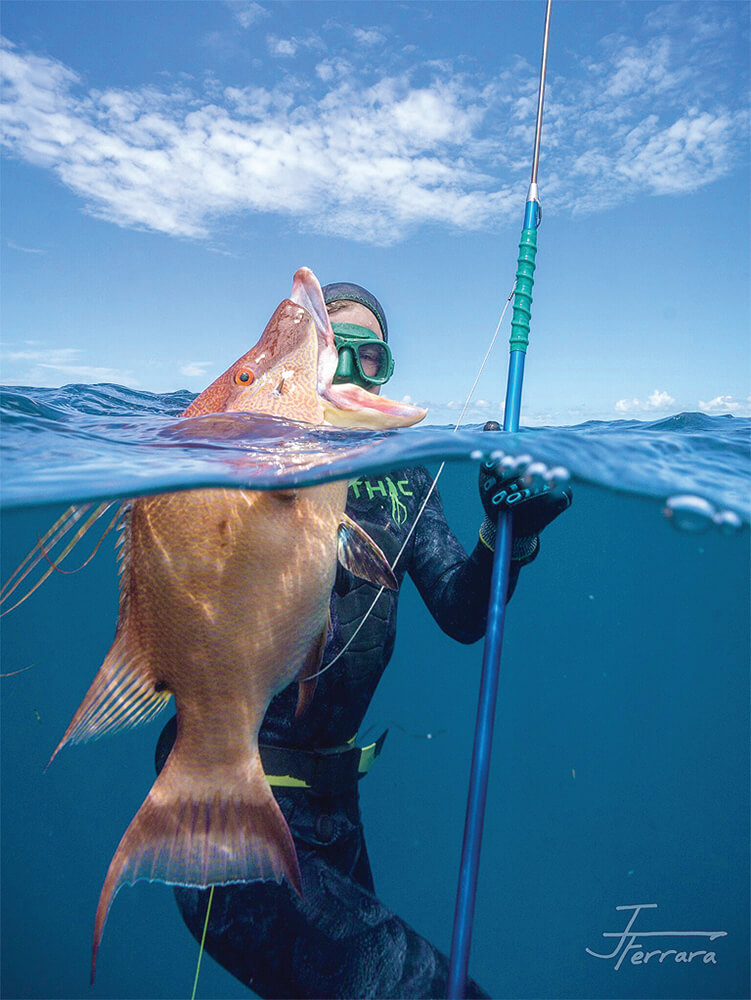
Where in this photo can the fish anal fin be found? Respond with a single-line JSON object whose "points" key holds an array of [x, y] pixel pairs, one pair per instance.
{"points": [[124, 693], [361, 556], [307, 679], [203, 835]]}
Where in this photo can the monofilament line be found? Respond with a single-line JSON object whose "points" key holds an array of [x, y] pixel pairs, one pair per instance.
{"points": [[423, 505], [203, 943]]}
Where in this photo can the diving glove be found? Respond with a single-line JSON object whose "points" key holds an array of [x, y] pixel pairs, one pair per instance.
{"points": [[533, 505]]}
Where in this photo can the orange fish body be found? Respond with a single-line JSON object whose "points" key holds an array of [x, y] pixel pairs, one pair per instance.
{"points": [[224, 598]]}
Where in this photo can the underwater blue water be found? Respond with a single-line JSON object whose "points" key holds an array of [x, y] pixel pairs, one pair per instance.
{"points": [[620, 770]]}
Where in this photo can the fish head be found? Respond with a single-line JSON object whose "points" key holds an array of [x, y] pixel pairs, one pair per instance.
{"points": [[290, 372]]}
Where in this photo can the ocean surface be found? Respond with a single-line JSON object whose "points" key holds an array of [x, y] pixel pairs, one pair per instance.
{"points": [[620, 775]]}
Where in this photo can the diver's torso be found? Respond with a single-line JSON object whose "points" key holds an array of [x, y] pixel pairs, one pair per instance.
{"points": [[385, 506]]}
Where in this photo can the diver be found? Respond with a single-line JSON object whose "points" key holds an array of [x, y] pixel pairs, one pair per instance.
{"points": [[339, 940]]}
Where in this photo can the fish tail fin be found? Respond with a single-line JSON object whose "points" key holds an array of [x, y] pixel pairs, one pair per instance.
{"points": [[202, 834]]}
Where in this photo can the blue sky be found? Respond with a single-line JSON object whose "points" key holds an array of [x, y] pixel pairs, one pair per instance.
{"points": [[169, 165]]}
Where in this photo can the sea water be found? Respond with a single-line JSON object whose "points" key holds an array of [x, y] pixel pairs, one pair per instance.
{"points": [[619, 786]]}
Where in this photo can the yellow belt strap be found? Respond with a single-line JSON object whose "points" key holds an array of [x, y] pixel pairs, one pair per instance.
{"points": [[367, 759]]}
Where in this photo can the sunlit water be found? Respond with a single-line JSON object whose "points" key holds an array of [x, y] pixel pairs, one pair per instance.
{"points": [[620, 768]]}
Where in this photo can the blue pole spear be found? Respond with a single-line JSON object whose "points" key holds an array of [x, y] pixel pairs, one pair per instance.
{"points": [[478, 783]]}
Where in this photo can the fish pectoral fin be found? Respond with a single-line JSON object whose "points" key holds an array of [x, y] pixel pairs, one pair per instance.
{"points": [[197, 834], [124, 693], [307, 678], [361, 556]]}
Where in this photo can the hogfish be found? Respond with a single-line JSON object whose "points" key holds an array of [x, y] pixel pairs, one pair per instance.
{"points": [[224, 598]]}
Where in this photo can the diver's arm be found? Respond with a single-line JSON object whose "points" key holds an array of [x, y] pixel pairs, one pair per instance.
{"points": [[454, 586]]}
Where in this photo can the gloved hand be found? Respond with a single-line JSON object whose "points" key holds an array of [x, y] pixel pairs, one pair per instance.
{"points": [[533, 505]]}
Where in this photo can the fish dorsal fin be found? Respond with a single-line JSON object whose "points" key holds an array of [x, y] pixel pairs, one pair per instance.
{"points": [[81, 518], [361, 556]]}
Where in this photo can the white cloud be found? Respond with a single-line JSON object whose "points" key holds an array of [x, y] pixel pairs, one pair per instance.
{"points": [[727, 404], [247, 12], [351, 151], [441, 412], [657, 400], [325, 70], [282, 46], [55, 366], [288, 47], [687, 154], [368, 36], [449, 412], [17, 246], [194, 369], [53, 356], [369, 163]]}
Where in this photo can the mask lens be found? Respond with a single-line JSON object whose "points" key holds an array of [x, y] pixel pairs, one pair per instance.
{"points": [[374, 359]]}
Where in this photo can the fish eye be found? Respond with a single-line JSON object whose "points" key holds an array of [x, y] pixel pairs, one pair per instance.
{"points": [[244, 377]]}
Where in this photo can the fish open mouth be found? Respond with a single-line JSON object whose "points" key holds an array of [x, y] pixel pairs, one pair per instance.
{"points": [[348, 404], [307, 293]]}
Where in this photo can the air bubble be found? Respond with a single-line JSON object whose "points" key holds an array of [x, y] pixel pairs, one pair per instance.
{"points": [[476, 455], [536, 475], [557, 476], [690, 513], [728, 522], [518, 465]]}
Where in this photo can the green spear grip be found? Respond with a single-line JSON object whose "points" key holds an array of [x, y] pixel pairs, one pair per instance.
{"points": [[525, 279]]}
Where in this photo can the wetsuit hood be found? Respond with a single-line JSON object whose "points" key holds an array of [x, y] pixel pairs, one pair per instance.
{"points": [[341, 290]]}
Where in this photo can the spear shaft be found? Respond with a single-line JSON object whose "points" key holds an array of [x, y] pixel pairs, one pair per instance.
{"points": [[478, 784]]}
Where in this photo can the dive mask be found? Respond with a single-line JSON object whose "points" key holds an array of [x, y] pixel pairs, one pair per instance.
{"points": [[364, 358]]}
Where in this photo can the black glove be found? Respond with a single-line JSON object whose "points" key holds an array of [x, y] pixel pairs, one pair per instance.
{"points": [[533, 504]]}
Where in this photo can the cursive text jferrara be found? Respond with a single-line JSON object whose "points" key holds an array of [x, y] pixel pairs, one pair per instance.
{"points": [[630, 942]]}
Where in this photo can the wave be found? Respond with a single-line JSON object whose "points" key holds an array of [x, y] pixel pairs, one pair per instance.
{"points": [[90, 442]]}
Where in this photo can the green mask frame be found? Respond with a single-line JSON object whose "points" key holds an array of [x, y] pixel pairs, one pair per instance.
{"points": [[364, 358]]}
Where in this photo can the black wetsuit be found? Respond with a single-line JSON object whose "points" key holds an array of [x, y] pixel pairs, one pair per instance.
{"points": [[339, 940]]}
